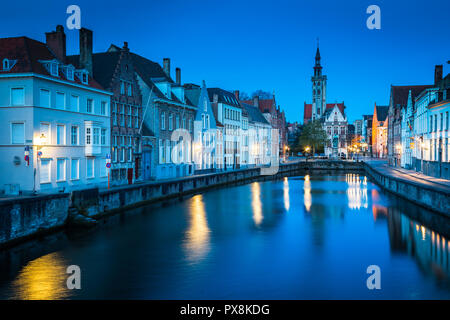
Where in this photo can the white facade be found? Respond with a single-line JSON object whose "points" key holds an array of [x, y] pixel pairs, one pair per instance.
{"points": [[335, 125], [66, 127]]}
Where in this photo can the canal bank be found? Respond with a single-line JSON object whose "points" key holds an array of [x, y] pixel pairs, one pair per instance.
{"points": [[23, 218]]}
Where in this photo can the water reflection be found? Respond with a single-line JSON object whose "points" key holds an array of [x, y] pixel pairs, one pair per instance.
{"points": [[256, 203], [197, 236], [356, 191], [286, 193], [307, 200], [42, 279], [428, 247]]}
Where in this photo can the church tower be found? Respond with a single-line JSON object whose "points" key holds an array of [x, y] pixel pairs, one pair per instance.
{"points": [[319, 86]]}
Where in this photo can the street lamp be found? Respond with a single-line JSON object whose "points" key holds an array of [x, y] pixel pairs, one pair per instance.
{"points": [[307, 148]]}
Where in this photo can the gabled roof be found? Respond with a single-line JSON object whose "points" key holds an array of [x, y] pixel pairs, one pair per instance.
{"points": [[341, 106], [254, 113], [382, 112], [224, 96], [400, 93], [265, 105], [307, 112], [29, 53]]}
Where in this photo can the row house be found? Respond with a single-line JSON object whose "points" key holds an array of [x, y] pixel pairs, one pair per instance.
{"points": [[397, 102], [379, 131], [168, 125], [229, 113], [273, 115], [208, 151], [334, 121], [258, 138], [54, 118], [430, 137], [114, 70], [367, 132]]}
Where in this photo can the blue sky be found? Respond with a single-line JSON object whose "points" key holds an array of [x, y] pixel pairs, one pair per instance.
{"points": [[268, 45]]}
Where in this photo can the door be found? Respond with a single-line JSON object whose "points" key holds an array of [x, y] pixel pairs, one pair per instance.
{"points": [[147, 167], [130, 175]]}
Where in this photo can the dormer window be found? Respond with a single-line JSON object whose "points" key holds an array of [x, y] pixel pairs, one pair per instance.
{"points": [[83, 75], [8, 64], [69, 73], [54, 69]]}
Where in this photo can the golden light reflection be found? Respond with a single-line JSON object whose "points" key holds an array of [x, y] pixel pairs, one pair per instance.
{"points": [[307, 199], [256, 203], [356, 191], [286, 193], [42, 279], [197, 236]]}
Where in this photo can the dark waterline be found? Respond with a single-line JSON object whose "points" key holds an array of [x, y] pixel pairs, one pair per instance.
{"points": [[305, 237]]}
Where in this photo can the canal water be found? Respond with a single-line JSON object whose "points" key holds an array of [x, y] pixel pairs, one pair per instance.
{"points": [[302, 237]]}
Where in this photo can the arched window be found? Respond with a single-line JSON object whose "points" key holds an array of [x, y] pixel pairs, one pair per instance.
{"points": [[5, 64]]}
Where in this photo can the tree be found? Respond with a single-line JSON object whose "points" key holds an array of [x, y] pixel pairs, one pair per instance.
{"points": [[243, 96], [313, 135], [262, 94]]}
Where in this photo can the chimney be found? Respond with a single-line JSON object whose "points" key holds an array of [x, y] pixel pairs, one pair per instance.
{"points": [[236, 94], [215, 98], [256, 101], [437, 74], [86, 49], [178, 75], [166, 66], [56, 41]]}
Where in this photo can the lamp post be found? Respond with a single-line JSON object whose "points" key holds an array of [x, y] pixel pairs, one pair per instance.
{"points": [[42, 139], [307, 148]]}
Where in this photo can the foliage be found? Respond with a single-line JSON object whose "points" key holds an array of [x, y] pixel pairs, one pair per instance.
{"points": [[262, 94], [312, 135]]}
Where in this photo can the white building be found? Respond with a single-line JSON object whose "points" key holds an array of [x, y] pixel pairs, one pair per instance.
{"points": [[258, 137], [58, 114], [228, 112], [335, 124]]}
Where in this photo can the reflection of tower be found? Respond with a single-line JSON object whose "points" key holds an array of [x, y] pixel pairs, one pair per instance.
{"points": [[319, 85]]}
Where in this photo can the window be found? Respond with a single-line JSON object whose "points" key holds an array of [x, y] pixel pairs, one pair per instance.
{"points": [[60, 100], [75, 169], [130, 92], [122, 115], [103, 137], [44, 171], [177, 122], [446, 120], [45, 130], [84, 78], [74, 103], [44, 98], [442, 122], [61, 169], [122, 154], [163, 121], [54, 69], [90, 167], [17, 96], [170, 121], [60, 134], [183, 123], [17, 133], [122, 87], [69, 73], [161, 152], [5, 64], [74, 135], [89, 104], [130, 152], [129, 116], [96, 132], [88, 135], [103, 108]]}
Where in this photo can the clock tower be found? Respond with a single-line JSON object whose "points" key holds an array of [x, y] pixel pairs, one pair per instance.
{"points": [[319, 85]]}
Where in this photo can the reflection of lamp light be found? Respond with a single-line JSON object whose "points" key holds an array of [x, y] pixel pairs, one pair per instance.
{"points": [[42, 139]]}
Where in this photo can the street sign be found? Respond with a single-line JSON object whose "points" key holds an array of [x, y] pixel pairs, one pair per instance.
{"points": [[108, 165], [108, 156]]}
